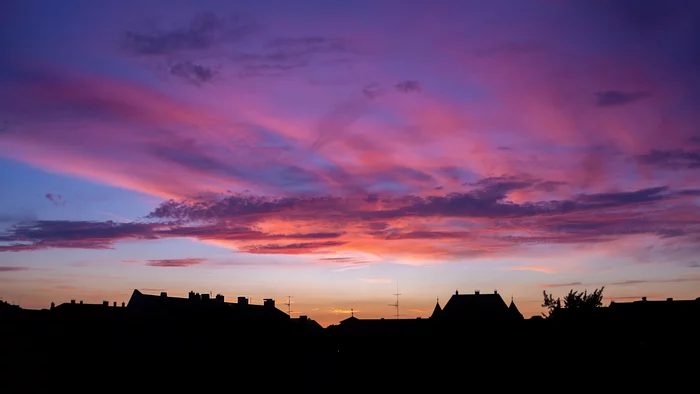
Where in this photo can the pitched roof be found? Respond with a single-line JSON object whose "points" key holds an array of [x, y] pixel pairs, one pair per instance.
{"points": [[151, 305], [437, 309], [476, 307], [514, 310]]}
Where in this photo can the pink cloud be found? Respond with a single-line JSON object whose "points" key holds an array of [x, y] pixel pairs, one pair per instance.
{"points": [[555, 128]]}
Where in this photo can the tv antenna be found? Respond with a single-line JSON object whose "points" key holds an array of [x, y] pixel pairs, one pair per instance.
{"points": [[397, 294], [289, 305]]}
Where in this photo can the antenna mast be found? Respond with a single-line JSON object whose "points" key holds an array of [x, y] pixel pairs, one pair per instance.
{"points": [[289, 305], [397, 294]]}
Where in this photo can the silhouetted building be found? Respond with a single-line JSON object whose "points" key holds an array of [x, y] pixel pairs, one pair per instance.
{"points": [[354, 326], [643, 310], [83, 311], [304, 325], [477, 307], [201, 306]]}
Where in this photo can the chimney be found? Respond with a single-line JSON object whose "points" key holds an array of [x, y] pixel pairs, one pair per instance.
{"points": [[81, 302], [303, 318], [122, 304], [105, 303], [242, 301], [644, 298], [219, 298], [495, 291], [53, 305], [205, 296], [164, 294], [72, 302], [269, 302], [669, 299], [115, 304], [456, 292], [476, 292], [193, 295]]}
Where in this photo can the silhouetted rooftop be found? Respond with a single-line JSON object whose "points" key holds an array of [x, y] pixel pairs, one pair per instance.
{"points": [[477, 306]]}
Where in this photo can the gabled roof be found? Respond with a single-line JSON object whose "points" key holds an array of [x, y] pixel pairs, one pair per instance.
{"points": [[476, 307]]}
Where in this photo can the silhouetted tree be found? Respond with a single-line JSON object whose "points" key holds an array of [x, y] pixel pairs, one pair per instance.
{"points": [[573, 301], [550, 303]]}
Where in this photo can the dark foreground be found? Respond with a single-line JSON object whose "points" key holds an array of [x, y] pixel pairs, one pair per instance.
{"points": [[107, 355]]}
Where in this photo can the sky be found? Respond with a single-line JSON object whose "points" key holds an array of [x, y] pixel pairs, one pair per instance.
{"points": [[330, 154]]}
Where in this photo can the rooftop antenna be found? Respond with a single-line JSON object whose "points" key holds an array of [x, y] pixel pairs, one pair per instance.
{"points": [[397, 294], [289, 305]]}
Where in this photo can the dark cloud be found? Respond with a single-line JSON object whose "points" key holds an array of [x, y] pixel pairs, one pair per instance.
{"points": [[103, 235], [488, 199], [584, 218], [227, 233], [46, 234], [645, 281], [372, 90], [408, 86], [439, 187], [613, 97], [284, 54], [504, 148], [624, 198], [56, 199], [192, 72], [549, 186], [14, 269], [188, 262], [570, 284], [497, 188], [408, 174], [693, 264], [424, 235], [204, 31], [678, 159], [298, 248]]}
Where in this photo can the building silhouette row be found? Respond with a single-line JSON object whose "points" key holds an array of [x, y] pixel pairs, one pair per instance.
{"points": [[460, 310]]}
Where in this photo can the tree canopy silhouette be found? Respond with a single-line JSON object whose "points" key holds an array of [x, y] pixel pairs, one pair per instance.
{"points": [[573, 301]]}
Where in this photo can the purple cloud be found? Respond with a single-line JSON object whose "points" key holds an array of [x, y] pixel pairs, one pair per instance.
{"points": [[678, 159], [56, 199], [408, 86], [611, 98], [14, 269], [188, 262]]}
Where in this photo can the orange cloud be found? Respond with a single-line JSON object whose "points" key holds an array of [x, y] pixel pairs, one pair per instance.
{"points": [[537, 268], [343, 311]]}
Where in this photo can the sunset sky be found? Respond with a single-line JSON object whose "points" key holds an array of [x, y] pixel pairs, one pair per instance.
{"points": [[333, 150]]}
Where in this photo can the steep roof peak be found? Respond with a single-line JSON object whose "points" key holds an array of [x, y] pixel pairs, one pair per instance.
{"points": [[437, 309]]}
